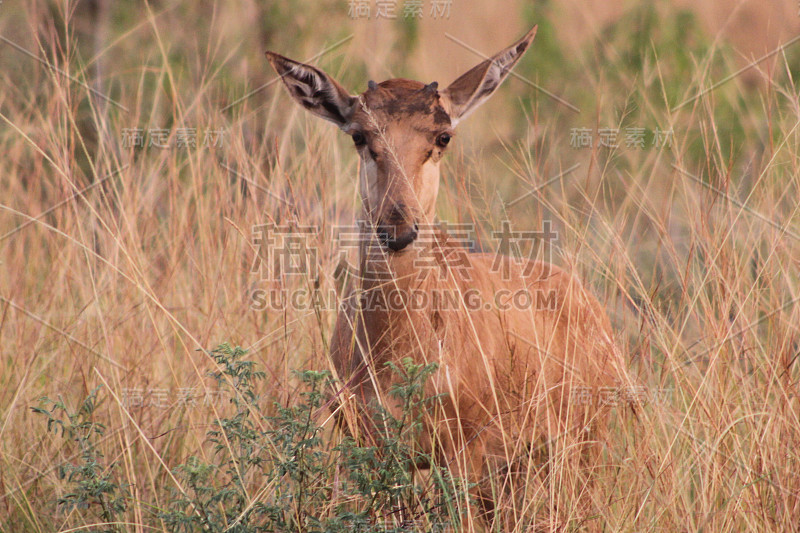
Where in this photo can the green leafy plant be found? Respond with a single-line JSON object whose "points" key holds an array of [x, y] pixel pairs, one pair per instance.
{"points": [[277, 473], [382, 476], [92, 484]]}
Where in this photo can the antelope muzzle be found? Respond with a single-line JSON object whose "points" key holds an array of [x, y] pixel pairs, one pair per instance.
{"points": [[397, 231]]}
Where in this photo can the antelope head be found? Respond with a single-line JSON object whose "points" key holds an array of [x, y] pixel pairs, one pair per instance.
{"points": [[401, 129]]}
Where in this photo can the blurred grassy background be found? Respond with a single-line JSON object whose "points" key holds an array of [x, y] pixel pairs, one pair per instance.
{"points": [[117, 263]]}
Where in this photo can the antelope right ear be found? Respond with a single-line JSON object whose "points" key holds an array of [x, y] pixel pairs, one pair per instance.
{"points": [[315, 90], [475, 86]]}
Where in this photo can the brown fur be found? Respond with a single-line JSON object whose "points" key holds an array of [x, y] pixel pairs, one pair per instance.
{"points": [[508, 374]]}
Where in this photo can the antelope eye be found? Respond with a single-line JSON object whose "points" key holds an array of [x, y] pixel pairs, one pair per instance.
{"points": [[443, 139], [359, 138]]}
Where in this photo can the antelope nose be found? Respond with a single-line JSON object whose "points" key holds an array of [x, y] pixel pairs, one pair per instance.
{"points": [[397, 238]]}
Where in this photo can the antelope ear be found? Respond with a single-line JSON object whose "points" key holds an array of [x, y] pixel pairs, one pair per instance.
{"points": [[474, 87], [314, 90]]}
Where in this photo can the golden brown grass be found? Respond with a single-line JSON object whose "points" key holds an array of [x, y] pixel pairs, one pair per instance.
{"points": [[118, 264]]}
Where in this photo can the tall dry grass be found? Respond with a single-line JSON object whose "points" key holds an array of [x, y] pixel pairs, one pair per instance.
{"points": [[120, 264]]}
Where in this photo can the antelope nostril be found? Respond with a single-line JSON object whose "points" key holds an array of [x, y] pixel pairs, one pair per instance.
{"points": [[396, 240], [385, 236]]}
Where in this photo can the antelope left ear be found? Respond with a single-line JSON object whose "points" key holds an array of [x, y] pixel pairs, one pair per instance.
{"points": [[474, 87], [314, 89]]}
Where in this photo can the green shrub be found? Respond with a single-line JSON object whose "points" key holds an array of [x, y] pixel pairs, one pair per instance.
{"points": [[92, 485]]}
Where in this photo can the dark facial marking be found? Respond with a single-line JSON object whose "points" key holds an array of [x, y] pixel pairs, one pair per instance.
{"points": [[408, 97]]}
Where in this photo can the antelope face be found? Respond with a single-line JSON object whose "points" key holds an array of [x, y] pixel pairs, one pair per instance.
{"points": [[400, 129]]}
